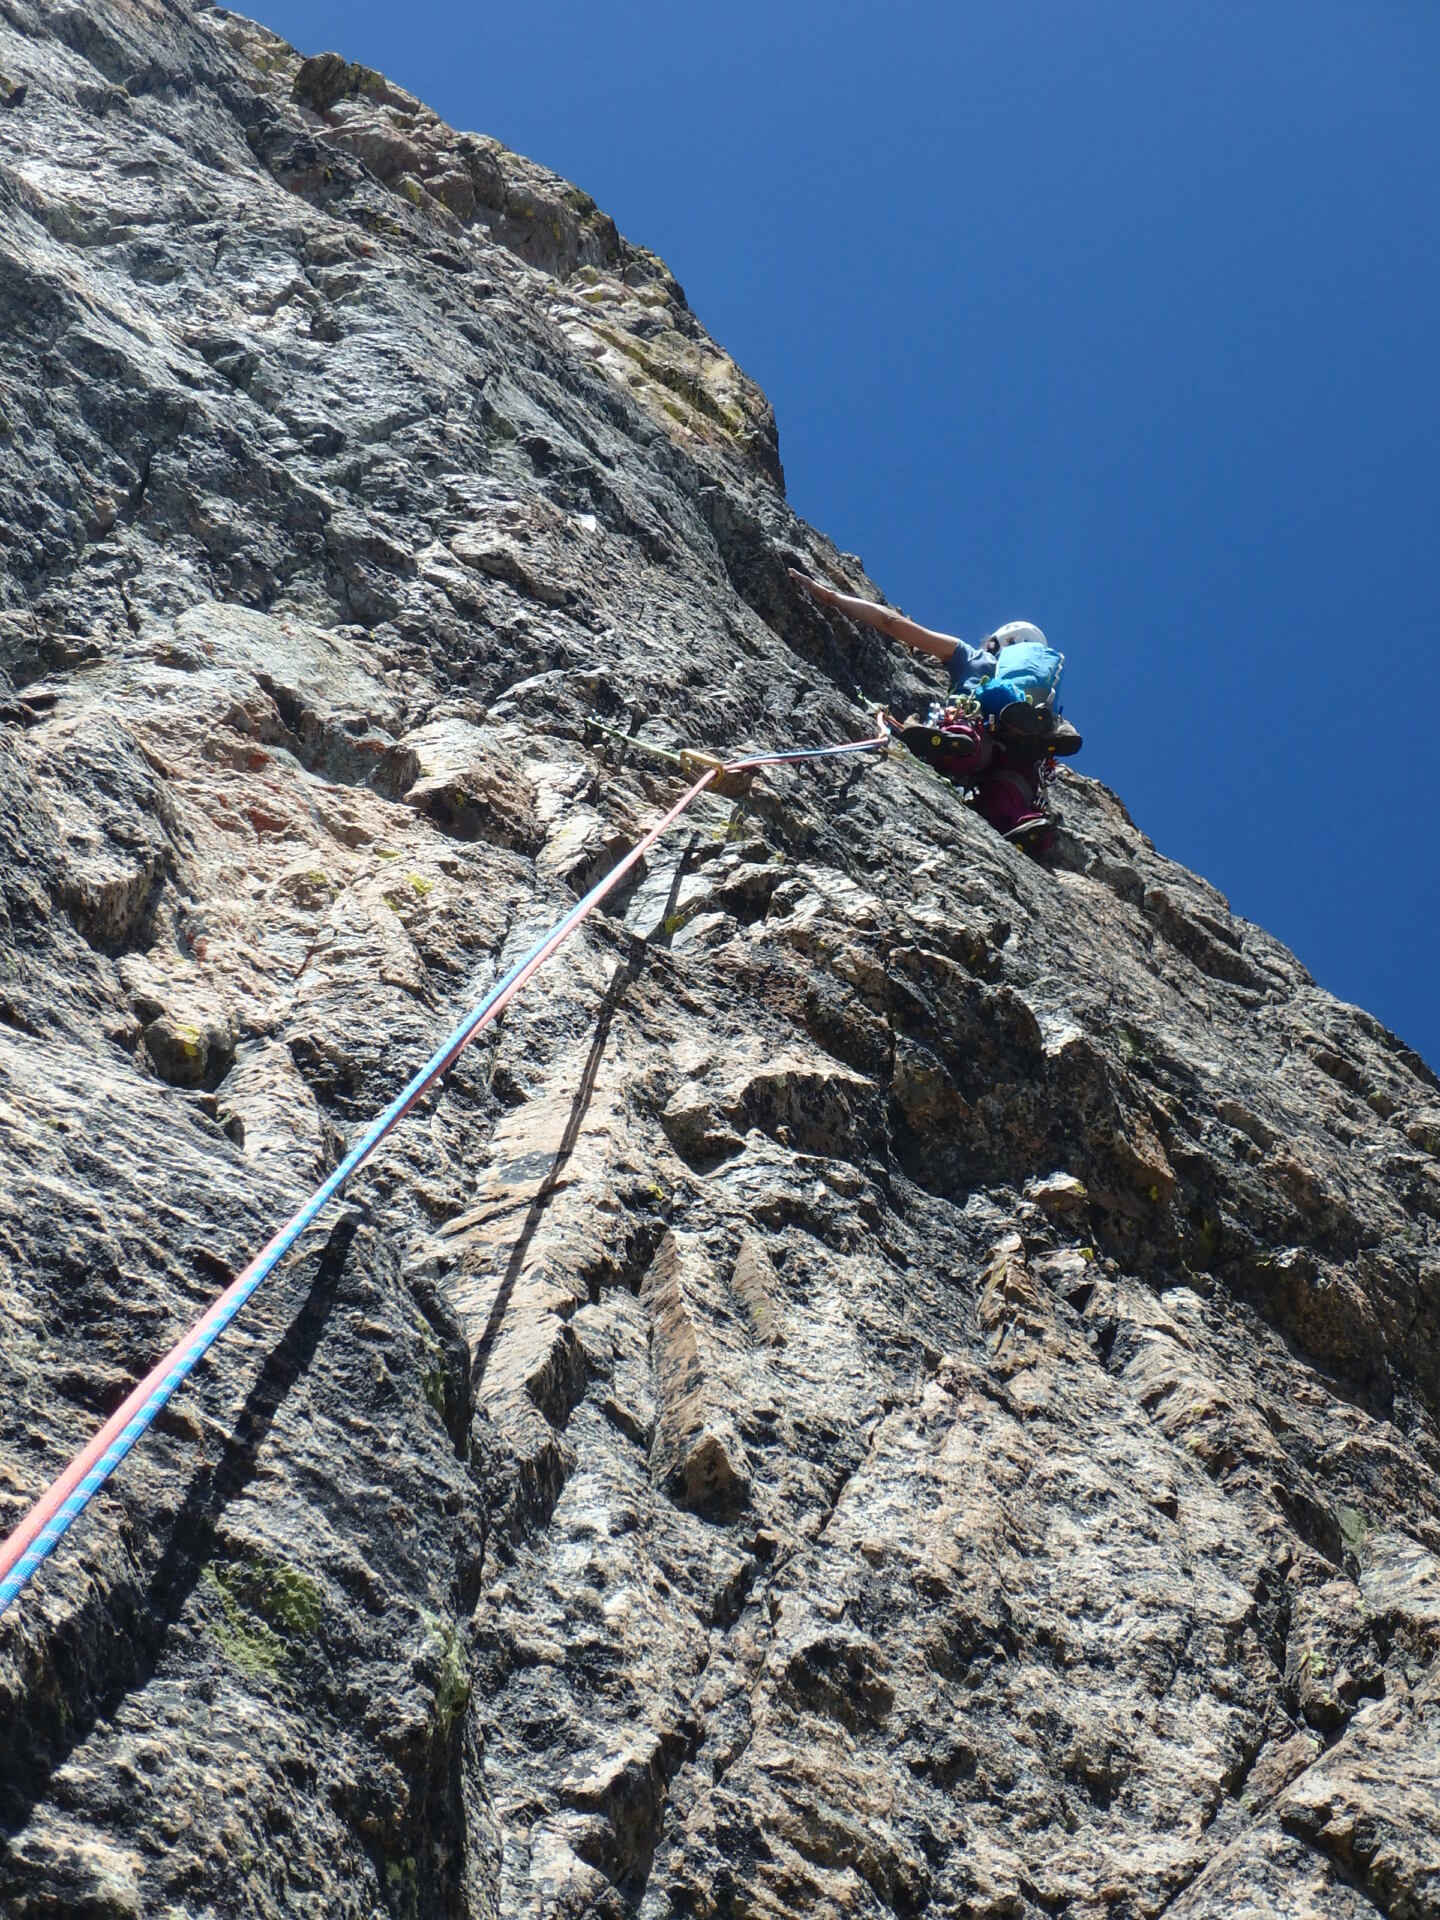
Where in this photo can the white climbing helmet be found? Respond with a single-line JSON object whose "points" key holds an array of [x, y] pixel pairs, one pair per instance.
{"points": [[1010, 633]]}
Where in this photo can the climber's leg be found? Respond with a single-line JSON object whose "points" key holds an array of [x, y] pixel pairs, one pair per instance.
{"points": [[958, 749], [1008, 796], [1029, 732]]}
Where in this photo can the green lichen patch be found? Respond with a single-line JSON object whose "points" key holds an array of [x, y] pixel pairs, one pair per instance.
{"points": [[1353, 1529], [246, 1642], [1128, 1042], [432, 1384], [402, 1877], [433, 1378], [266, 1607], [447, 1654]]}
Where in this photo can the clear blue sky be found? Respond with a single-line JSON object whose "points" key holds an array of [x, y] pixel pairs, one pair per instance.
{"points": [[1123, 317]]}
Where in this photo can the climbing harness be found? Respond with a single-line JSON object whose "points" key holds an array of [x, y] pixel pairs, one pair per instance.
{"points": [[58, 1508], [1008, 786]]}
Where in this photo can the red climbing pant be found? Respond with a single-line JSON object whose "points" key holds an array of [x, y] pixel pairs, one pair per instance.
{"points": [[1007, 793], [1007, 790]]}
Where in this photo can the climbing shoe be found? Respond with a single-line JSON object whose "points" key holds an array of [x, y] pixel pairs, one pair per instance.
{"points": [[1033, 835], [1023, 729], [918, 735], [953, 748]]}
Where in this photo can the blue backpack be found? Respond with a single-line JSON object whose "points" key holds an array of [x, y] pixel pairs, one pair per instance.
{"points": [[1026, 671]]}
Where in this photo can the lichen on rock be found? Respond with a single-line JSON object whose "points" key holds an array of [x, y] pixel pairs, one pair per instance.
{"points": [[895, 1380]]}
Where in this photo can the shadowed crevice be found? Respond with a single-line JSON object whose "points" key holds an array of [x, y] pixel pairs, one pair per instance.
{"points": [[625, 971]]}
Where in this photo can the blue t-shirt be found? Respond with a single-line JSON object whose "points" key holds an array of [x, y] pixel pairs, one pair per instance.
{"points": [[1025, 670], [970, 667]]}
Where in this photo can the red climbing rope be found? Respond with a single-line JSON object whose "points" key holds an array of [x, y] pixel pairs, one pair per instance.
{"points": [[35, 1538]]}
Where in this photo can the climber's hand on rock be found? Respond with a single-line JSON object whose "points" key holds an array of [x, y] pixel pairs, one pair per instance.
{"points": [[813, 587]]}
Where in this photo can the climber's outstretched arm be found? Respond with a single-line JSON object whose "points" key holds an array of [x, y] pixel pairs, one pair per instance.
{"points": [[884, 619]]}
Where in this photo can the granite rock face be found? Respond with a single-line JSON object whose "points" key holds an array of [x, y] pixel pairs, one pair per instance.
{"points": [[898, 1380]]}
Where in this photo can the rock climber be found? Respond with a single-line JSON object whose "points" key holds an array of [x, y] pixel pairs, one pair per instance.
{"points": [[1000, 720]]}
